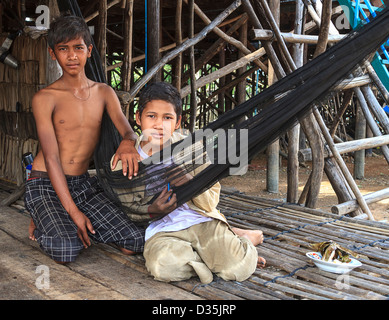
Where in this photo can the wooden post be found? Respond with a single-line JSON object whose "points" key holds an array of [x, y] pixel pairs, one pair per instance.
{"points": [[178, 36], [102, 36], [127, 45], [360, 133], [222, 81], [273, 150], [294, 133], [241, 87], [153, 36], [193, 95]]}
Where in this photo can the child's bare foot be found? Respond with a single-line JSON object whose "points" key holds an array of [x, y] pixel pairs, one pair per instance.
{"points": [[31, 229], [261, 262], [255, 236], [126, 251]]}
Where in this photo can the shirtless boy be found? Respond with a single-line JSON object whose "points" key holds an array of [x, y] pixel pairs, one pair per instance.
{"points": [[67, 206]]}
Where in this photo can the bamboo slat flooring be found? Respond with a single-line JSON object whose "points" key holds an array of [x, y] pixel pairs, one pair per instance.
{"points": [[105, 273]]}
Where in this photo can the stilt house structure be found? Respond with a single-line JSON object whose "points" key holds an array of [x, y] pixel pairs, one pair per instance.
{"points": [[218, 54]]}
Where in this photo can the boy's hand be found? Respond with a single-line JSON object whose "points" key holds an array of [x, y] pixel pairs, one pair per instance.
{"points": [[129, 156], [83, 225], [164, 204]]}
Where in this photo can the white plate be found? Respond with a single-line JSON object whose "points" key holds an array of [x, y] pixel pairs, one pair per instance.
{"points": [[335, 267]]}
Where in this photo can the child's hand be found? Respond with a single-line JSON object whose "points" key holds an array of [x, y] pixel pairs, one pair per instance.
{"points": [[164, 204], [127, 153]]}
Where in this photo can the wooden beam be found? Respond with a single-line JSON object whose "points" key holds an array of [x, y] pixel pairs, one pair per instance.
{"points": [[349, 206], [260, 34], [346, 147]]}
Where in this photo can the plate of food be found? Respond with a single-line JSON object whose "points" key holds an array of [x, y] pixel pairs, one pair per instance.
{"points": [[331, 257]]}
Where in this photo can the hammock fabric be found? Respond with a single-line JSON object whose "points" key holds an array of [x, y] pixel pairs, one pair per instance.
{"points": [[249, 128]]}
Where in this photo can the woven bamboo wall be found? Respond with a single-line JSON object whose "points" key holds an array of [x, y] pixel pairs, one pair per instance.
{"points": [[17, 87]]}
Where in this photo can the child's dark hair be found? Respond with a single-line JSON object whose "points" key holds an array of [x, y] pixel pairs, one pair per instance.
{"points": [[66, 28], [160, 91]]}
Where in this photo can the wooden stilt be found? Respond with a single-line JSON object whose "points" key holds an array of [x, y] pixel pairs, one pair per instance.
{"points": [[342, 165]]}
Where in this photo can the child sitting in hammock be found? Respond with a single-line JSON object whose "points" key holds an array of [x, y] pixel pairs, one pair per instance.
{"points": [[194, 238]]}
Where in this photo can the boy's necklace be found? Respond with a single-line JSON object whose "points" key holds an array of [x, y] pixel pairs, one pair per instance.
{"points": [[82, 99]]}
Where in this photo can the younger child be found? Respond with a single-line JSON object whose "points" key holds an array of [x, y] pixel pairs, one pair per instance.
{"points": [[195, 238], [67, 206]]}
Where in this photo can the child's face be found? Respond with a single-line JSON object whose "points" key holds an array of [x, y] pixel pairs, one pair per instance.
{"points": [[158, 122], [71, 55]]}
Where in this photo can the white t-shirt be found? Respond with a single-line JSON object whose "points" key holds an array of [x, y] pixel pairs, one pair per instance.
{"points": [[181, 218]]}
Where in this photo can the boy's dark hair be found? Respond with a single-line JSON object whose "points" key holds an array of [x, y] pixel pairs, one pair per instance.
{"points": [[160, 91], [66, 28]]}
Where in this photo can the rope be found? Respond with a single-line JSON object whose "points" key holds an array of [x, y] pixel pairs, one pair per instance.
{"points": [[371, 244], [288, 275]]}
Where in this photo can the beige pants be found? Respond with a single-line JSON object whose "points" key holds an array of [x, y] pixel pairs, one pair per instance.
{"points": [[200, 250]]}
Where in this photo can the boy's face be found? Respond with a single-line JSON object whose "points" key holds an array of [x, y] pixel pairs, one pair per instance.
{"points": [[71, 55], [158, 122]]}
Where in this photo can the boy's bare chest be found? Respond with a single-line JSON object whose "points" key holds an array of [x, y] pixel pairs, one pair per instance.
{"points": [[77, 116]]}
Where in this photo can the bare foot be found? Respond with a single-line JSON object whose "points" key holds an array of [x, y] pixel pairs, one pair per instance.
{"points": [[261, 262], [31, 229], [255, 236], [126, 251]]}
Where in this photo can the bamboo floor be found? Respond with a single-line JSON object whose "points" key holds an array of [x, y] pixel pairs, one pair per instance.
{"points": [[102, 272]]}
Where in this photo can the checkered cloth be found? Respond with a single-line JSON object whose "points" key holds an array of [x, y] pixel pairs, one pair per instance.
{"points": [[56, 232]]}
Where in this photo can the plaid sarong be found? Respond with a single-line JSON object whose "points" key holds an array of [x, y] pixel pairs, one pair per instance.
{"points": [[56, 232]]}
